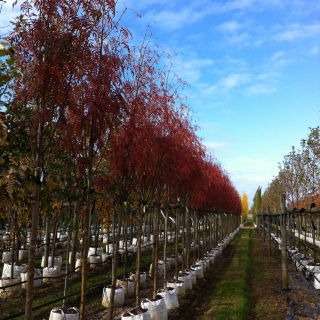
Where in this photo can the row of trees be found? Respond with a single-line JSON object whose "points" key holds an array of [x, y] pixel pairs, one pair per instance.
{"points": [[298, 177], [92, 120]]}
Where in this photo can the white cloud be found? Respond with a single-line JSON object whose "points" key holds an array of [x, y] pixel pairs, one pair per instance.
{"points": [[267, 76], [279, 59], [173, 19], [216, 145], [260, 89], [238, 4], [315, 50], [190, 70], [210, 90], [230, 26], [234, 80], [296, 31], [277, 55], [239, 39]]}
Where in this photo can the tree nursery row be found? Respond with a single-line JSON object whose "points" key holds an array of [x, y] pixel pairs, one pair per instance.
{"points": [[198, 242], [95, 134]]}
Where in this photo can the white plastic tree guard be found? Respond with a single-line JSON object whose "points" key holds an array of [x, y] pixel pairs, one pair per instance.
{"points": [[204, 265], [95, 261], [199, 271], [193, 276], [179, 286], [109, 248], [78, 264], [187, 278], [23, 254], [170, 298], [211, 257], [128, 285], [92, 251], [156, 307], [51, 274], [159, 271], [57, 261], [119, 295], [143, 279], [11, 291], [7, 256], [137, 313], [173, 261], [17, 270], [36, 282], [78, 256], [59, 314], [316, 279]]}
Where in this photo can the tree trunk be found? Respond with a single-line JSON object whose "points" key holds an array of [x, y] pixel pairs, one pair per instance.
{"points": [[284, 261], [47, 246], [74, 237], [32, 247], [177, 243], [115, 262], [165, 250], [156, 254], [139, 259], [86, 235]]}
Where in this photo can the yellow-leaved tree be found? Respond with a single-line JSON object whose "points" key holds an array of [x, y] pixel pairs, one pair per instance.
{"points": [[245, 206]]}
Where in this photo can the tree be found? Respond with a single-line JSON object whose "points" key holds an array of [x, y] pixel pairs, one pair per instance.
{"points": [[245, 206], [257, 203], [58, 51]]}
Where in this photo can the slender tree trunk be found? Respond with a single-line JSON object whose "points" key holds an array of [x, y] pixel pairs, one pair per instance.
{"points": [[32, 247], [115, 263], [210, 231], [125, 248], [183, 242], [54, 243], [139, 259], [165, 250], [156, 255], [189, 239], [47, 237], [74, 237], [86, 235], [12, 238], [285, 284], [269, 233], [177, 243]]}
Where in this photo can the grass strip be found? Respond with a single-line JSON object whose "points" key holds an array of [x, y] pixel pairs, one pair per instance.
{"points": [[231, 299]]}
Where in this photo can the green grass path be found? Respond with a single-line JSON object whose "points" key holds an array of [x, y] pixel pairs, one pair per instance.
{"points": [[231, 298]]}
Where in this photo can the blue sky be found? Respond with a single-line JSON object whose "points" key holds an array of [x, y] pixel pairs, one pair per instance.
{"points": [[253, 67], [254, 73]]}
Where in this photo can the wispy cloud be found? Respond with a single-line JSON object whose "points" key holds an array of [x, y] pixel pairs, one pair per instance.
{"points": [[210, 90], [297, 30], [279, 59], [234, 80], [216, 145], [242, 39], [315, 50], [230, 26], [190, 69], [260, 89]]}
